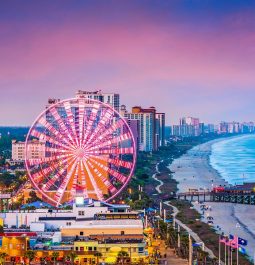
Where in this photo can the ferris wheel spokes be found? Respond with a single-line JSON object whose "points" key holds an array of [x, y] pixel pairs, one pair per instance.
{"points": [[61, 124], [89, 151]]}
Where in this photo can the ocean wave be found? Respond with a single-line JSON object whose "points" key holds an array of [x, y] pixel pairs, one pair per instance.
{"points": [[234, 159]]}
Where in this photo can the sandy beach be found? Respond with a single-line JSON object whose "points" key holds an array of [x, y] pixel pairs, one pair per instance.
{"points": [[193, 171]]}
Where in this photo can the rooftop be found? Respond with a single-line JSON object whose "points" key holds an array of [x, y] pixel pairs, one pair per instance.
{"points": [[135, 223]]}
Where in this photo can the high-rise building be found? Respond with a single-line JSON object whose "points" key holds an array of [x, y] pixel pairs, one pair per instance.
{"points": [[201, 128], [112, 99], [147, 126], [36, 150], [134, 126], [160, 129], [192, 122], [223, 127], [210, 128], [183, 130], [247, 127]]}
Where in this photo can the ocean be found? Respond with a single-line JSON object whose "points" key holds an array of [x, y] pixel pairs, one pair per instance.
{"points": [[234, 159]]}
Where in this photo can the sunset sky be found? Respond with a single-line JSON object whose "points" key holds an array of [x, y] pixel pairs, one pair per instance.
{"points": [[192, 58]]}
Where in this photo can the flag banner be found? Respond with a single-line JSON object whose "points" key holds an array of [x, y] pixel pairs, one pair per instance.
{"points": [[197, 244], [223, 239], [233, 241], [242, 250], [241, 241]]}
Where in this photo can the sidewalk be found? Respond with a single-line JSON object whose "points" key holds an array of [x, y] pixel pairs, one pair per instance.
{"points": [[171, 258]]}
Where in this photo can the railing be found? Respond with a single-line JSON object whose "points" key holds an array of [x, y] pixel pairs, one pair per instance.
{"points": [[194, 193]]}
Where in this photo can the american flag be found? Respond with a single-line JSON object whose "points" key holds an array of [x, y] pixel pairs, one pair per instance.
{"points": [[241, 241]]}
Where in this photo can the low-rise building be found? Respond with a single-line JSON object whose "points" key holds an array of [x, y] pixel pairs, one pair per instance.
{"points": [[56, 218], [36, 150], [100, 227]]}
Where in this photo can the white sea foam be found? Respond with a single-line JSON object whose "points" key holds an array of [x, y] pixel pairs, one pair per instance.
{"points": [[234, 159]]}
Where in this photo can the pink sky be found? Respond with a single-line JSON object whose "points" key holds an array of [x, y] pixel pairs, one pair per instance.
{"points": [[200, 64]]}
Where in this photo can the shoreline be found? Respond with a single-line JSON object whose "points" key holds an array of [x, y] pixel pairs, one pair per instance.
{"points": [[194, 171]]}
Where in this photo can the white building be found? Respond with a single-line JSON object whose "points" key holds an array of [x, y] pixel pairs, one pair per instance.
{"points": [[36, 150], [55, 219], [160, 129], [194, 122], [112, 99]]}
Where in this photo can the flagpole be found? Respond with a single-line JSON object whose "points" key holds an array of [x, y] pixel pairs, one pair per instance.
{"points": [[179, 239], [237, 254], [219, 251], [226, 254], [231, 256], [190, 250]]}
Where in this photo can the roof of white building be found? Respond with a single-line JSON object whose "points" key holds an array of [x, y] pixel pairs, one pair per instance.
{"points": [[125, 223]]}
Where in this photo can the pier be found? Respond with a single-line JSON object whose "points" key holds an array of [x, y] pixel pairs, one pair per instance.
{"points": [[209, 196]]}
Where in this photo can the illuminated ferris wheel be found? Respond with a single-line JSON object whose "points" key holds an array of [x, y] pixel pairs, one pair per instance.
{"points": [[88, 150]]}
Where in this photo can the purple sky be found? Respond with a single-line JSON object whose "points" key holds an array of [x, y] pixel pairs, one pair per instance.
{"points": [[183, 57]]}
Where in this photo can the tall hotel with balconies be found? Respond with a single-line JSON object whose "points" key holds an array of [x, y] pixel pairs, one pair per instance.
{"points": [[151, 127]]}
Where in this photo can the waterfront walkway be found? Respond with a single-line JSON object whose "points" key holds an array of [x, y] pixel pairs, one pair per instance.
{"points": [[169, 257], [178, 222]]}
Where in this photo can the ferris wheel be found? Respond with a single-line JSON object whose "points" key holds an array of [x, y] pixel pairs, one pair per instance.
{"points": [[86, 149]]}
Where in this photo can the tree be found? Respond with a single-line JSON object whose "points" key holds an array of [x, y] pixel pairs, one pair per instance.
{"points": [[122, 255], [55, 256], [72, 256], [32, 197], [98, 255], [3, 256], [30, 254]]}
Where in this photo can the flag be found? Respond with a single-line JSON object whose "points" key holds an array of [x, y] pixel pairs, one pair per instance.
{"points": [[197, 244], [242, 250], [242, 242], [223, 239], [233, 241]]}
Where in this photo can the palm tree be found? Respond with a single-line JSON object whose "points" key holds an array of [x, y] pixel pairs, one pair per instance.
{"points": [[122, 255], [72, 257], [3, 256], [30, 254], [55, 256], [98, 255]]}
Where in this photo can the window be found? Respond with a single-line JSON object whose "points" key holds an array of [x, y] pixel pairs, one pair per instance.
{"points": [[89, 248], [140, 250], [81, 233], [76, 248], [95, 248], [80, 212], [122, 232], [81, 248]]}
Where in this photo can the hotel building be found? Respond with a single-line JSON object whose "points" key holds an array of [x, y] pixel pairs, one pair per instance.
{"points": [[36, 150], [151, 127]]}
